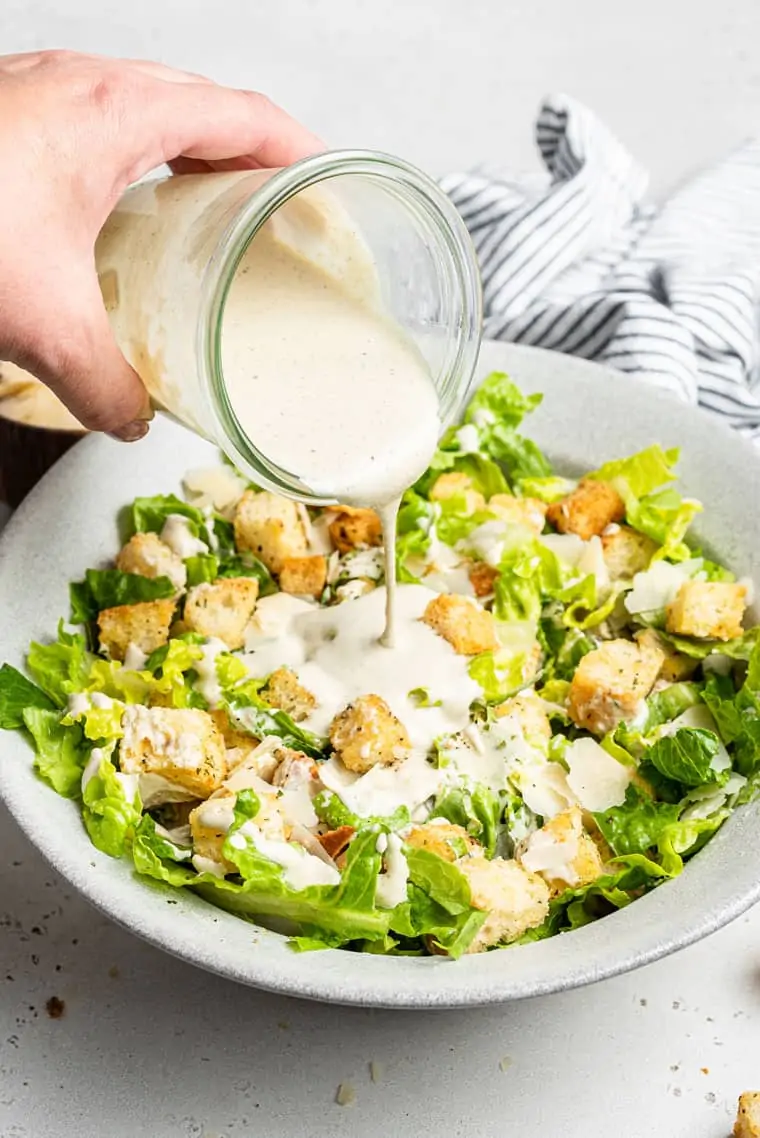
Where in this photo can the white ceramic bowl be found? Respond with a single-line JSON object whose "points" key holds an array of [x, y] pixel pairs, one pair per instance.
{"points": [[589, 415]]}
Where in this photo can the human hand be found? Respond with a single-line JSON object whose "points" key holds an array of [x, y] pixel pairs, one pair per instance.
{"points": [[75, 131]]}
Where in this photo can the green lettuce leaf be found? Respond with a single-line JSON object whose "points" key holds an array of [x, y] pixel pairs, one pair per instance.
{"points": [[17, 693], [737, 714], [637, 825], [108, 588], [439, 879], [201, 569], [478, 810], [110, 818], [148, 515], [60, 751], [333, 812], [686, 756], [253, 714]]}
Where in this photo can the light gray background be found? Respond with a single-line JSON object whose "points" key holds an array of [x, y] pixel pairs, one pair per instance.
{"points": [[149, 1047]]}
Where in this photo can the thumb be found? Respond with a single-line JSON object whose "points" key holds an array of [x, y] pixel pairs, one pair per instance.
{"points": [[78, 358]]}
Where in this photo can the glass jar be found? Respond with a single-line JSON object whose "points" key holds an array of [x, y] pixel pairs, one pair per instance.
{"points": [[169, 253]]}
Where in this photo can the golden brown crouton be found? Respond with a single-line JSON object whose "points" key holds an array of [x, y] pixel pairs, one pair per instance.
{"points": [[563, 853], [528, 512], [747, 1123], [355, 529], [588, 510], [368, 732], [181, 745], [336, 842], [453, 485], [528, 710], [146, 625], [482, 578], [270, 527], [514, 899], [239, 745], [304, 576], [445, 839], [468, 628], [209, 823], [627, 552], [708, 609], [283, 690], [610, 682], [148, 556], [222, 608], [675, 665]]}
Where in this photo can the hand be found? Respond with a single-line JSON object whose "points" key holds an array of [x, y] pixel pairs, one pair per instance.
{"points": [[75, 131]]}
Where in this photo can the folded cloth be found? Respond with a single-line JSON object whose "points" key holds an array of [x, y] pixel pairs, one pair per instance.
{"points": [[578, 261]]}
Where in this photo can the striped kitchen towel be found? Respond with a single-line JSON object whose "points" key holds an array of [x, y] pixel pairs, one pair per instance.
{"points": [[579, 261]]}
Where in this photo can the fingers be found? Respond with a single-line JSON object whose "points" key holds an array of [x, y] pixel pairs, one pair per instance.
{"points": [[214, 124], [81, 362]]}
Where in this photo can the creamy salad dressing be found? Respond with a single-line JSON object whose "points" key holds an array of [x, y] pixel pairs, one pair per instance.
{"points": [[320, 379], [338, 656]]}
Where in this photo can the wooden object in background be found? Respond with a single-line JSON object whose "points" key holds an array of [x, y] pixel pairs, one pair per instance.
{"points": [[35, 430]]}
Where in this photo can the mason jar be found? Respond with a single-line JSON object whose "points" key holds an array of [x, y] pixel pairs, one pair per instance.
{"points": [[169, 253]]}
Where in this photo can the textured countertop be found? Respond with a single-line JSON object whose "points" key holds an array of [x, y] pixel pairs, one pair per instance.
{"points": [[102, 1036]]}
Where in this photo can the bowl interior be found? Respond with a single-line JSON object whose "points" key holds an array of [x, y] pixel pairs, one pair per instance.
{"points": [[589, 415]]}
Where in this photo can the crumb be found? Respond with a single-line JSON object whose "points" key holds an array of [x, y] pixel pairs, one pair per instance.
{"points": [[114, 973], [643, 1002], [376, 1072], [676, 1005], [711, 1097], [345, 1095], [55, 1008], [283, 1025], [705, 1070], [505, 1063], [677, 1092], [675, 1066]]}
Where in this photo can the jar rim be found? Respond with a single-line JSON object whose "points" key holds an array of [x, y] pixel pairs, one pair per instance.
{"points": [[256, 210]]}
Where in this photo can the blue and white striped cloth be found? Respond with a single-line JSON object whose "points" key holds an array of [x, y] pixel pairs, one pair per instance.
{"points": [[579, 261]]}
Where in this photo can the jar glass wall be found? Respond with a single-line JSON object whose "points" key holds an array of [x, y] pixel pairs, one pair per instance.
{"points": [[169, 255]]}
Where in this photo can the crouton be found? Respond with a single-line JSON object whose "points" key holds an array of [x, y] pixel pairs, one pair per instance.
{"points": [[747, 1123], [527, 512], [610, 682], [366, 733], [707, 609], [482, 578], [627, 552], [675, 666], [336, 842], [527, 710], [562, 853], [148, 556], [211, 821], [239, 744], [271, 527], [468, 628], [355, 528], [222, 608], [283, 690], [181, 745], [455, 485], [445, 839], [588, 510], [514, 899], [146, 625], [304, 576]]}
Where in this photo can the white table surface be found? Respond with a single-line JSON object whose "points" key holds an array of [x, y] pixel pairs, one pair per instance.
{"points": [[147, 1046]]}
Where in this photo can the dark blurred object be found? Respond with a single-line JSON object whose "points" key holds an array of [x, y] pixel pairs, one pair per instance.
{"points": [[35, 430]]}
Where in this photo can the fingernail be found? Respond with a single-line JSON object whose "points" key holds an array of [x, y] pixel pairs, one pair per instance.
{"points": [[130, 432]]}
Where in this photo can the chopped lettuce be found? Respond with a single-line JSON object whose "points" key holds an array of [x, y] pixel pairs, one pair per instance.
{"points": [[111, 814], [60, 750], [17, 694], [108, 588], [148, 515], [477, 809]]}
